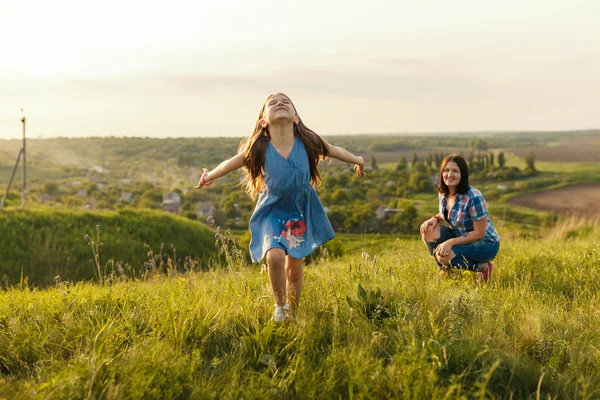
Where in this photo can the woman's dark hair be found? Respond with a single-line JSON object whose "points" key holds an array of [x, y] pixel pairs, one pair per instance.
{"points": [[463, 185]]}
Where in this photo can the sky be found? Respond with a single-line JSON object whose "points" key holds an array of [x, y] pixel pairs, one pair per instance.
{"points": [[204, 68]]}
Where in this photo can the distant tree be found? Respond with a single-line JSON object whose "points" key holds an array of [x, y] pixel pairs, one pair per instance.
{"points": [[220, 218], [152, 196], [145, 186], [339, 196], [374, 162], [343, 179], [419, 180], [404, 221], [401, 190], [373, 196], [415, 158], [501, 160], [50, 188], [530, 161], [359, 217], [478, 144], [408, 218], [92, 187], [336, 217], [190, 215], [473, 145], [402, 164], [491, 159], [429, 159]]}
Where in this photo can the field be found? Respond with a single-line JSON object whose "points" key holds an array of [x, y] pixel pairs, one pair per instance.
{"points": [[581, 200], [389, 328], [582, 151], [165, 308]]}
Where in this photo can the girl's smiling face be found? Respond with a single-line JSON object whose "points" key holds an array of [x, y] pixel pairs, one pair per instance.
{"points": [[451, 175], [279, 108]]}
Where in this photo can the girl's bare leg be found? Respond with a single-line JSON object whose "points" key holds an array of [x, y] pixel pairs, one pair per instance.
{"points": [[293, 270], [276, 264]]}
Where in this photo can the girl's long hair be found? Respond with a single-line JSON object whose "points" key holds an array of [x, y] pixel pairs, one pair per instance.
{"points": [[254, 148]]}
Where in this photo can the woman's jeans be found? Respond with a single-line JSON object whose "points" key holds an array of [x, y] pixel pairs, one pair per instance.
{"points": [[468, 256]]}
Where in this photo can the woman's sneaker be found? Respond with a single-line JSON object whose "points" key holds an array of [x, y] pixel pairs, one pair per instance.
{"points": [[486, 272], [281, 313]]}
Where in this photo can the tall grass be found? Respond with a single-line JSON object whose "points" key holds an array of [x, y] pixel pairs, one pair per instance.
{"points": [[47, 245], [389, 328]]}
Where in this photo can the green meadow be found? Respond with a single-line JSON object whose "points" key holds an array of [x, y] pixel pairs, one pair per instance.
{"points": [[102, 298], [375, 323], [43, 246]]}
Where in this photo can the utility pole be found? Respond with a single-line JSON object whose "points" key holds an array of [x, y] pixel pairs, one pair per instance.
{"points": [[12, 176], [24, 161]]}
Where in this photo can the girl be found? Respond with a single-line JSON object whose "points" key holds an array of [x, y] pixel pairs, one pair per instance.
{"points": [[471, 241], [280, 161]]}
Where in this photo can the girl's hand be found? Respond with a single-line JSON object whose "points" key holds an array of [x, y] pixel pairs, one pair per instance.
{"points": [[202, 182], [359, 167], [444, 249], [428, 225]]}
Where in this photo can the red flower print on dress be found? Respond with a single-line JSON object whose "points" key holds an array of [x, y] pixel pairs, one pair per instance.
{"points": [[294, 232]]}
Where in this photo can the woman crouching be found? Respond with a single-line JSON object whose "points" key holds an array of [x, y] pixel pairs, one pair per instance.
{"points": [[469, 241]]}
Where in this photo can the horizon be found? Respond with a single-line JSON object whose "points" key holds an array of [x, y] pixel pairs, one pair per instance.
{"points": [[394, 134], [130, 69]]}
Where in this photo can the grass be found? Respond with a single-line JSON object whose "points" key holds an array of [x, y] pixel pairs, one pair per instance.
{"points": [[574, 168], [44, 245], [370, 329]]}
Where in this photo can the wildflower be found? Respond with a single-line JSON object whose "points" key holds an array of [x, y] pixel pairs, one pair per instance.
{"points": [[86, 237]]}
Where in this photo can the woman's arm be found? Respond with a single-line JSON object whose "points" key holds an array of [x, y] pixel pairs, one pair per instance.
{"points": [[428, 225], [344, 155], [223, 169], [476, 234]]}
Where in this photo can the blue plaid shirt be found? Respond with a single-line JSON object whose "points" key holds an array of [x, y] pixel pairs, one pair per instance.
{"points": [[468, 207]]}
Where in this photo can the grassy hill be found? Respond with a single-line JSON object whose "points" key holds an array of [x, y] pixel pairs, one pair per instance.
{"points": [[385, 329], [44, 245]]}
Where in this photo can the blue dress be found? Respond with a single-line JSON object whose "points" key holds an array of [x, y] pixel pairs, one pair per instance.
{"points": [[288, 214]]}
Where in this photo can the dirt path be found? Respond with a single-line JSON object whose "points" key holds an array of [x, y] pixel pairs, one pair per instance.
{"points": [[583, 199]]}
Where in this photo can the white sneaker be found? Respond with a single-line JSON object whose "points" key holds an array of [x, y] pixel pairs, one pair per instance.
{"points": [[281, 312]]}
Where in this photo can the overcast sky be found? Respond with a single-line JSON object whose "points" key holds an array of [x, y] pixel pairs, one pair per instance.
{"points": [[203, 68]]}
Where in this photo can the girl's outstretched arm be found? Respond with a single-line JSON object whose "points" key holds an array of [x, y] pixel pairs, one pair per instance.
{"points": [[344, 155], [235, 162]]}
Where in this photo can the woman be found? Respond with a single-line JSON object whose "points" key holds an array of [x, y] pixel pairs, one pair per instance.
{"points": [[470, 241]]}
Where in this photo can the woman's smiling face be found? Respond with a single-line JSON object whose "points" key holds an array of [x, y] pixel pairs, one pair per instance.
{"points": [[451, 175]]}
